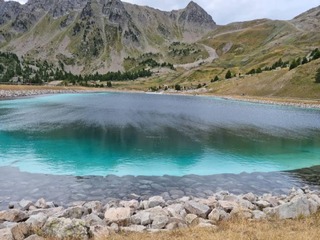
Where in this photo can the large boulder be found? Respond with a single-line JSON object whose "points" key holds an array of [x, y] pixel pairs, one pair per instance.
{"points": [[227, 206], [93, 220], [73, 212], [177, 210], [297, 207], [100, 232], [217, 215], [65, 228], [21, 231], [95, 206], [196, 208], [156, 201], [41, 203], [133, 204], [120, 216], [159, 222], [141, 218], [5, 234], [25, 204], [13, 215], [37, 221], [133, 228]]}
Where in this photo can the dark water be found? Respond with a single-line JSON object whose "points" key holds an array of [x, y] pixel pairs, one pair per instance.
{"points": [[153, 135]]}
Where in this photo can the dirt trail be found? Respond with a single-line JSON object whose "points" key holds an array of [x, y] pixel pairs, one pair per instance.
{"points": [[212, 56]]}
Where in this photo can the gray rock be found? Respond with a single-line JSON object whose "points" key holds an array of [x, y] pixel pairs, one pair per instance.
{"points": [[177, 210], [21, 231], [13, 215], [48, 212], [196, 208], [258, 215], [250, 197], [203, 223], [227, 206], [11, 205], [263, 204], [192, 219], [73, 212], [95, 206], [41, 203], [217, 215], [133, 228], [159, 222], [133, 204], [7, 225], [313, 206], [156, 201], [93, 220], [172, 226], [120, 216], [100, 232], [65, 228], [34, 237], [5, 234], [141, 218], [295, 208], [37, 221], [25, 204]]}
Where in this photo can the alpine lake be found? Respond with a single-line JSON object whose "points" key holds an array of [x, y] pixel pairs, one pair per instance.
{"points": [[94, 146]]}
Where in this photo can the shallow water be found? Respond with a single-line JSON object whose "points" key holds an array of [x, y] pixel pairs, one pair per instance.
{"points": [[141, 134]]}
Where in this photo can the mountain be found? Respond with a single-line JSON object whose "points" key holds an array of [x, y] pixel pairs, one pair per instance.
{"points": [[97, 35]]}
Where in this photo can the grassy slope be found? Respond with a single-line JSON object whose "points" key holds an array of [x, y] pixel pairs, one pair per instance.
{"points": [[299, 229], [255, 44]]}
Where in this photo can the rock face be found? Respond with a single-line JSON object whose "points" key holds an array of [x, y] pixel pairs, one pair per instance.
{"points": [[91, 220], [106, 28]]}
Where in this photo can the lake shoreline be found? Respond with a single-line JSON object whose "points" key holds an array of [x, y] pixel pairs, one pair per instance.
{"points": [[8, 92], [96, 219]]}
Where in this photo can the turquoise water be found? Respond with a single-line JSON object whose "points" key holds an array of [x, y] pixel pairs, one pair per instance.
{"points": [[141, 134]]}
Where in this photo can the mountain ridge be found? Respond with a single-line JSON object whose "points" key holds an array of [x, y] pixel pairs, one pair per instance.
{"points": [[98, 33]]}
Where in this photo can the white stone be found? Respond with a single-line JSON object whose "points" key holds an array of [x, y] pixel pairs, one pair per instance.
{"points": [[20, 231], [192, 219], [37, 221], [5, 234], [159, 222], [13, 215], [156, 201], [120, 216], [133, 228], [133, 204], [41, 203], [25, 204], [196, 208], [141, 218], [258, 215], [250, 197]]}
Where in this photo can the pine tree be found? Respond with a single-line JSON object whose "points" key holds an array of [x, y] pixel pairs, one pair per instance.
{"points": [[228, 74]]}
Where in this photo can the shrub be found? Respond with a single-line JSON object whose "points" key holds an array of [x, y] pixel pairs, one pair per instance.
{"points": [[228, 74]]}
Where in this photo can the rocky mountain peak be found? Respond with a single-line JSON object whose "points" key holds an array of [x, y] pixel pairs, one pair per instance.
{"points": [[115, 11], [196, 15]]}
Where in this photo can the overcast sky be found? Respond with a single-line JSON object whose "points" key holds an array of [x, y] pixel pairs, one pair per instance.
{"points": [[226, 11]]}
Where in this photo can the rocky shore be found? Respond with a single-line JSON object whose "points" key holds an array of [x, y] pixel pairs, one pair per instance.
{"points": [[9, 94], [94, 220]]}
